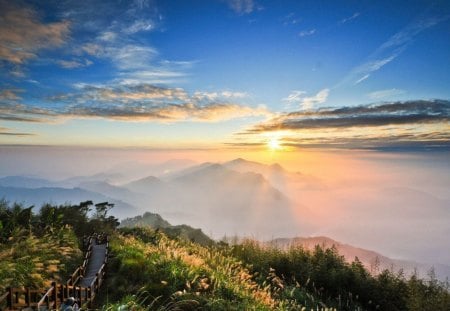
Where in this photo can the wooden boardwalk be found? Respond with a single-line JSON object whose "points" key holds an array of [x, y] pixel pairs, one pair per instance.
{"points": [[83, 284], [95, 262]]}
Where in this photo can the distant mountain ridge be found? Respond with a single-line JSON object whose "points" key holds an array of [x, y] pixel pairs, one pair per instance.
{"points": [[56, 195], [25, 182]]}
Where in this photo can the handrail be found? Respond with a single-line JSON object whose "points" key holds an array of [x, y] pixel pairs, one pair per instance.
{"points": [[3, 297], [46, 296], [56, 294]]}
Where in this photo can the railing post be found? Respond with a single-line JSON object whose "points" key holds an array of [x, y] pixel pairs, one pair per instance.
{"points": [[54, 295], [10, 298], [27, 297]]}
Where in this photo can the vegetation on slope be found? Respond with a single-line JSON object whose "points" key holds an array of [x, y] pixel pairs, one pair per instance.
{"points": [[168, 271], [323, 275], [154, 269], [155, 221], [36, 249]]}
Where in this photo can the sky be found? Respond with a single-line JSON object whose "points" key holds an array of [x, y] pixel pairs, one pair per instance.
{"points": [[226, 74]]}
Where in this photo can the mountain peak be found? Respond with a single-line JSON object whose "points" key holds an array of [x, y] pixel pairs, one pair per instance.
{"points": [[238, 160], [277, 166]]}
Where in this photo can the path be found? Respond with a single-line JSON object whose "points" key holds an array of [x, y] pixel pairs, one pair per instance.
{"points": [[95, 262]]}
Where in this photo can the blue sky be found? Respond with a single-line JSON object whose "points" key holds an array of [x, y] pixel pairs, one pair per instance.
{"points": [[225, 73]]}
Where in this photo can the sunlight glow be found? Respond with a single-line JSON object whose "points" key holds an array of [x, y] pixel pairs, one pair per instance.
{"points": [[274, 144]]}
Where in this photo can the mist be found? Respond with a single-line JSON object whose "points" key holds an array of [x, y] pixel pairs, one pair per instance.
{"points": [[395, 203]]}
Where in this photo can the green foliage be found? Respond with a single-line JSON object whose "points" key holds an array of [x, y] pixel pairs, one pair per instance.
{"points": [[173, 271], [180, 268], [36, 249], [155, 221], [33, 261], [322, 277], [151, 220]]}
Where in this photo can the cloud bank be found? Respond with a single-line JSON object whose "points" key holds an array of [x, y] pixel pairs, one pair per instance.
{"points": [[420, 123], [141, 102]]}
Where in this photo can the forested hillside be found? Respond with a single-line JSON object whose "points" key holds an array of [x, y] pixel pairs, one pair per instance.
{"points": [[151, 269]]}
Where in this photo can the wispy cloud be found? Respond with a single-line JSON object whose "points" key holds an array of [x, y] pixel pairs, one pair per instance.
{"points": [[242, 6], [377, 95], [12, 111], [305, 33], [142, 102], [138, 26], [113, 33], [392, 48], [122, 93], [397, 124], [74, 63], [136, 63], [10, 94], [373, 66], [365, 77], [219, 95], [7, 132], [23, 34], [350, 18], [307, 102], [214, 112], [291, 19]]}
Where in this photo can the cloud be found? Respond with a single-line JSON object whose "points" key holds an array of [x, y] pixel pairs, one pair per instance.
{"points": [[11, 111], [241, 6], [350, 18], [139, 25], [401, 142], [137, 63], [141, 102], [291, 19], [372, 66], [122, 93], [72, 64], [92, 49], [305, 102], [295, 96], [306, 33], [409, 123], [218, 95], [365, 77], [7, 132], [392, 48], [112, 34], [10, 94], [22, 34], [385, 93], [409, 112], [213, 112]]}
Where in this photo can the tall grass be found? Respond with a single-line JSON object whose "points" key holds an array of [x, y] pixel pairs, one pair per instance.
{"points": [[172, 271], [29, 261]]}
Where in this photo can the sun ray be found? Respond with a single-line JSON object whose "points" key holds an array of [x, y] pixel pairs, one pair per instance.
{"points": [[274, 143]]}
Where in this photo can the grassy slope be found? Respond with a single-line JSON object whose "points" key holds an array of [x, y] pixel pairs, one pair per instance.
{"points": [[165, 271], [158, 272], [34, 262], [151, 271]]}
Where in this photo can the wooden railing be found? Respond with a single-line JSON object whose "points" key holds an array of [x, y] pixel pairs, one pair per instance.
{"points": [[52, 298]]}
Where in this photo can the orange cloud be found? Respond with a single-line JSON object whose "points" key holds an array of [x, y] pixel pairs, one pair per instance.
{"points": [[22, 34]]}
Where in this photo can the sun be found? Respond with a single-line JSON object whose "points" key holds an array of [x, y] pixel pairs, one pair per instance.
{"points": [[274, 143]]}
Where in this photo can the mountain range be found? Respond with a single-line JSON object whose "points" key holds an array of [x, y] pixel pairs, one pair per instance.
{"points": [[247, 199]]}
